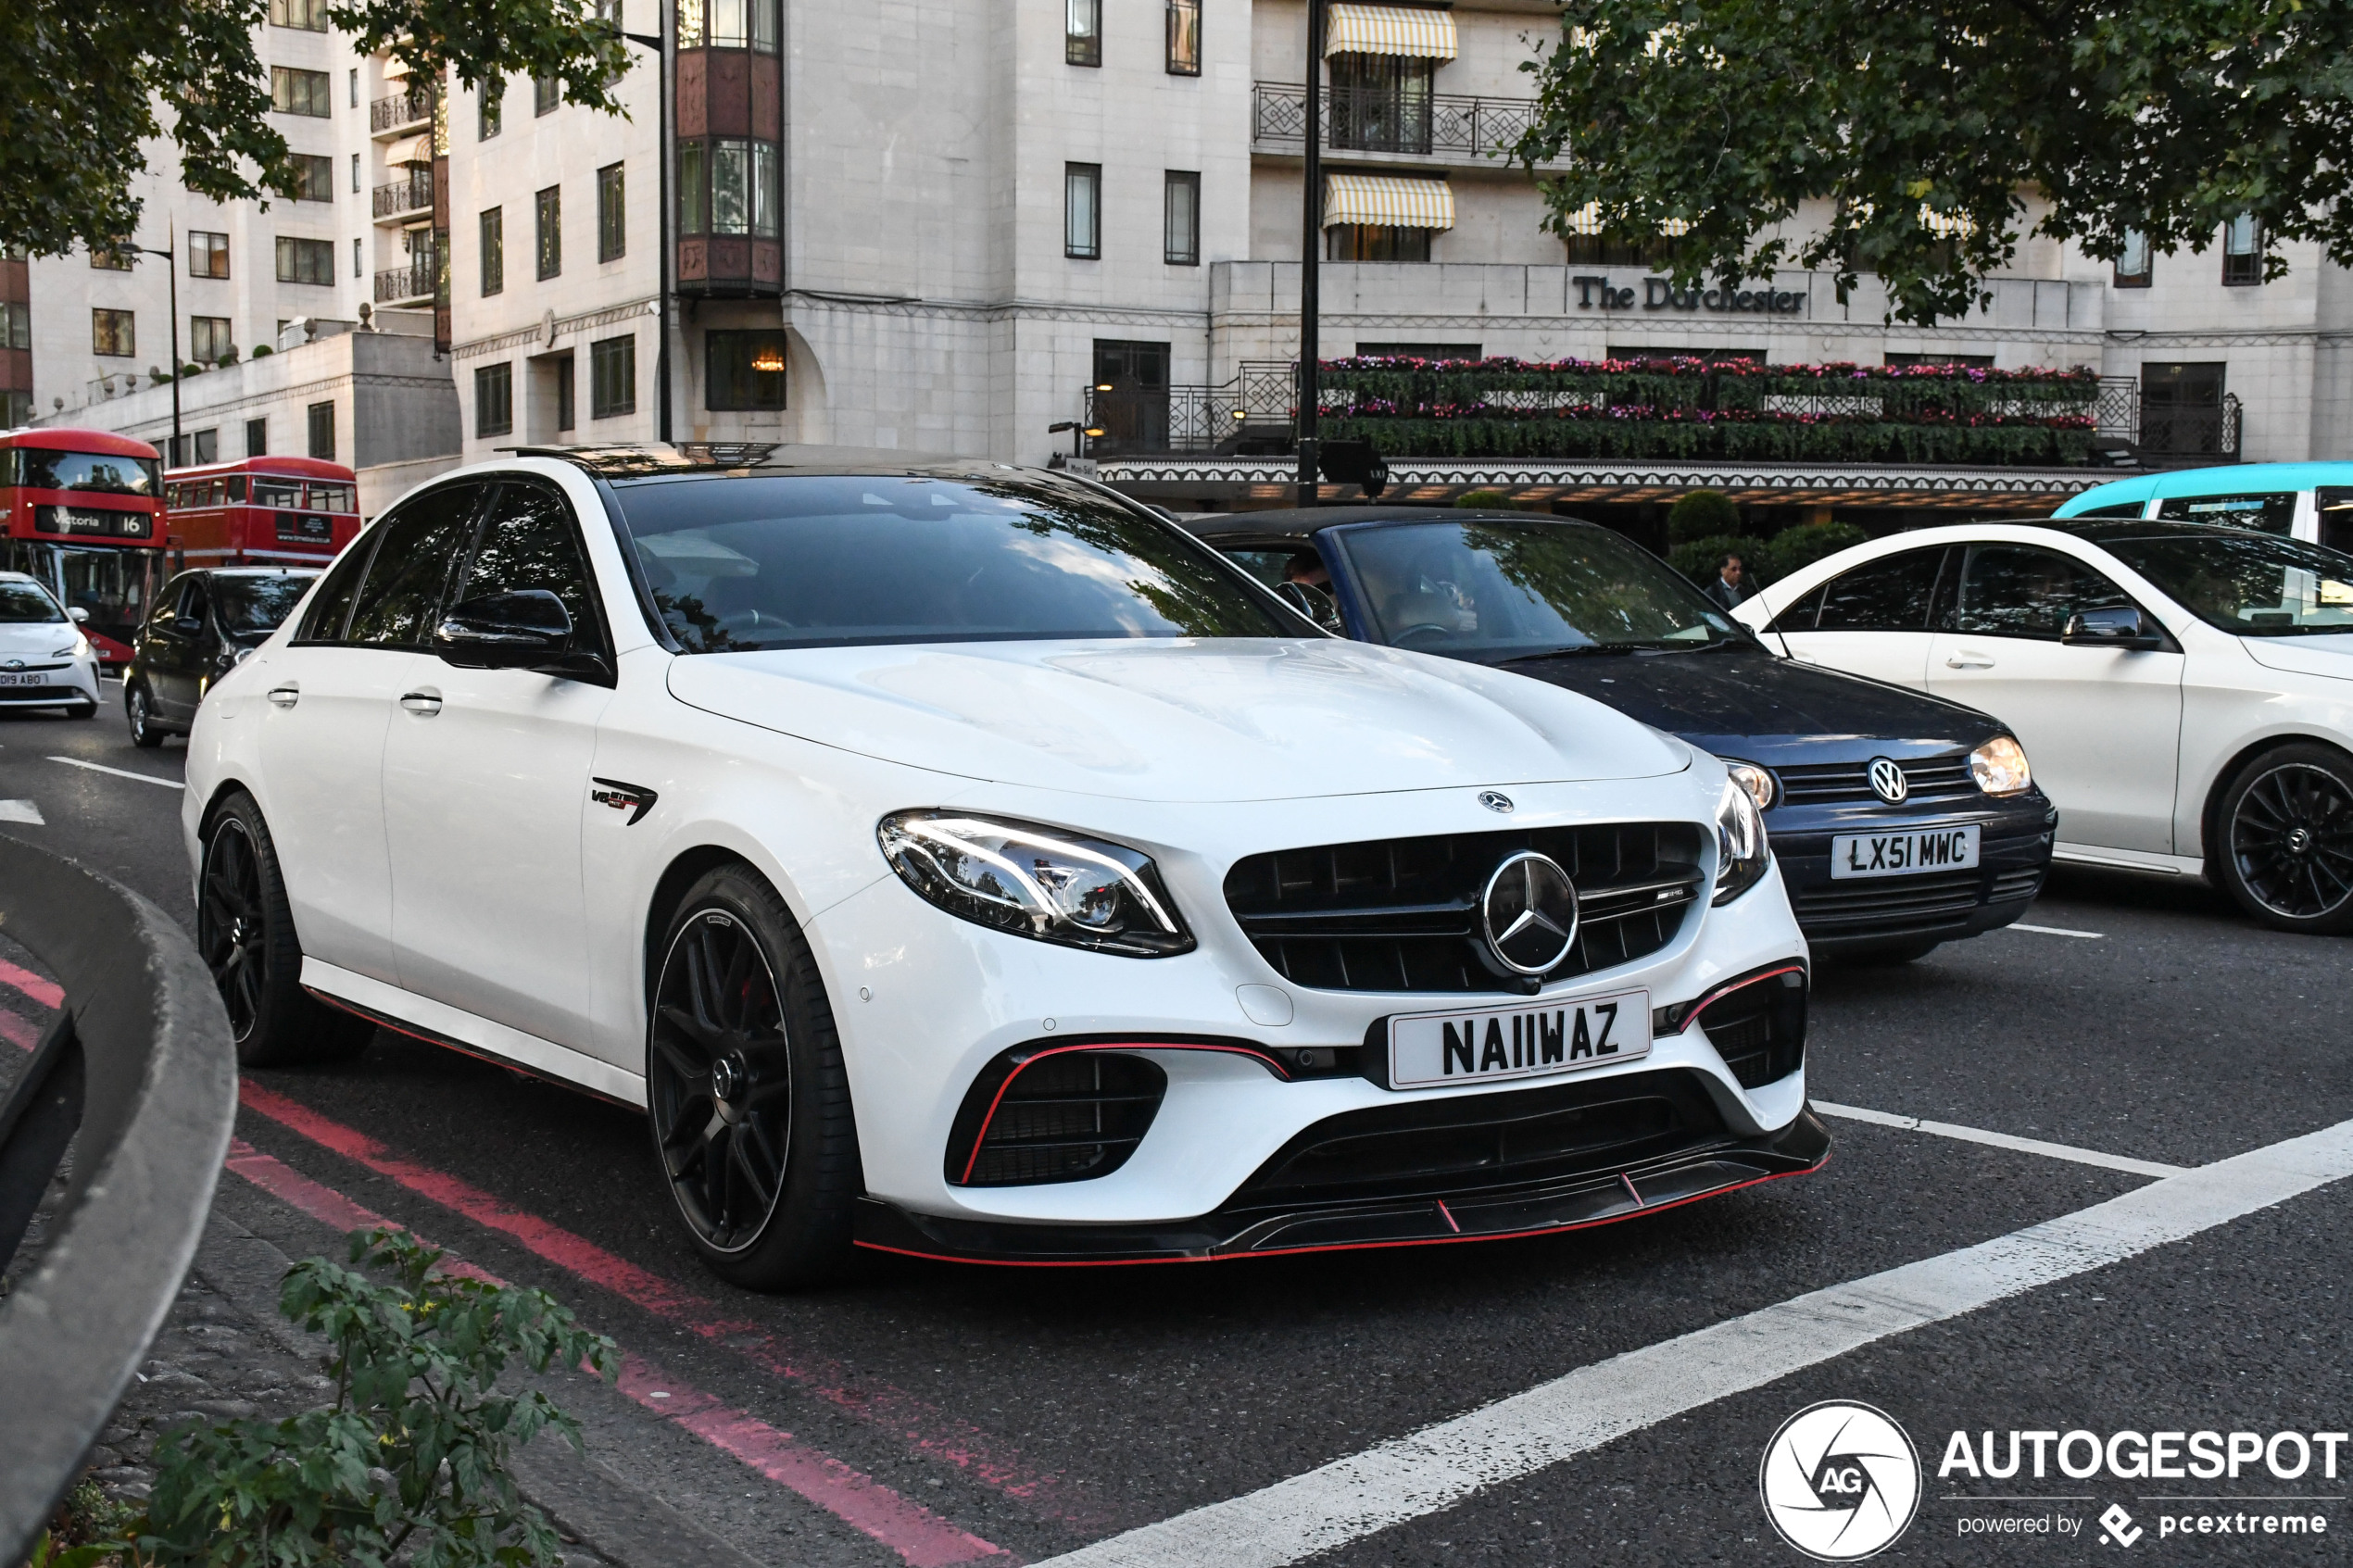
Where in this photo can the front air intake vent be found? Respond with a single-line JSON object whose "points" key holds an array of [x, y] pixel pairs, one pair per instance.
{"points": [[1057, 1114]]}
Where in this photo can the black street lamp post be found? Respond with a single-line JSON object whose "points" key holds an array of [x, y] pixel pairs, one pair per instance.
{"points": [[172, 276], [1311, 257], [665, 139]]}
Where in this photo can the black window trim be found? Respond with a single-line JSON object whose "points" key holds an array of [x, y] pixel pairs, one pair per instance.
{"points": [[601, 666], [1945, 618]]}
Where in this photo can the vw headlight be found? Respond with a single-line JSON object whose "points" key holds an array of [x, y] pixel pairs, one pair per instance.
{"points": [[1999, 767], [1757, 781], [1035, 881], [1742, 853]]}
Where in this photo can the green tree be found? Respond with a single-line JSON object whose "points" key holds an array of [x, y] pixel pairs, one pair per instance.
{"points": [[1701, 514], [90, 86], [1913, 134]]}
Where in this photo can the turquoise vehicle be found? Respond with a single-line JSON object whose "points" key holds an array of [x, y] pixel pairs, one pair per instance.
{"points": [[2308, 501]]}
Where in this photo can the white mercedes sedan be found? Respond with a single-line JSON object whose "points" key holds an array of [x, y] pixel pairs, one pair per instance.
{"points": [[2185, 691], [966, 863]]}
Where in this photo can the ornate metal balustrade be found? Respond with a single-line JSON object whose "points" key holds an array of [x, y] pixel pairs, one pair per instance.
{"points": [[2174, 437], [1446, 126], [1250, 413], [400, 111], [412, 194], [419, 280]]}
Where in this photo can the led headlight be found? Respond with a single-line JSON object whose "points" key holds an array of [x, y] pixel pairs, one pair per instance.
{"points": [[1999, 767], [1757, 781], [1742, 853], [1035, 881]]}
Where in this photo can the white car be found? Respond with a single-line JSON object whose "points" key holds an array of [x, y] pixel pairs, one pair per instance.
{"points": [[2185, 691], [46, 662], [964, 861]]}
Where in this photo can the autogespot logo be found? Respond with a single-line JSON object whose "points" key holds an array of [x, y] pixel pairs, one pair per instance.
{"points": [[1841, 1481]]}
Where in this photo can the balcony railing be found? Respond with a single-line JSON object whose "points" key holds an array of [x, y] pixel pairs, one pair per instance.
{"points": [[1250, 413], [2169, 435], [400, 111], [399, 197], [419, 280], [1436, 125]]}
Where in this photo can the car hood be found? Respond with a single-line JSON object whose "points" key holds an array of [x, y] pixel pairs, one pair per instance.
{"points": [[1208, 721], [2327, 653], [1743, 702], [39, 638]]}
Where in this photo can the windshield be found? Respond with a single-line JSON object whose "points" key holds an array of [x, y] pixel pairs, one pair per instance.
{"points": [[252, 606], [22, 604], [1496, 591], [791, 562], [2252, 585], [40, 469]]}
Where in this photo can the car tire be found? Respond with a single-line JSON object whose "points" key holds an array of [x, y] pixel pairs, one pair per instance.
{"points": [[246, 933], [2283, 841], [746, 1094], [139, 710]]}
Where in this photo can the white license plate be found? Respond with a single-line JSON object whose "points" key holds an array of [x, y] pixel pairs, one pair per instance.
{"points": [[7, 680], [1903, 854], [1534, 1040]]}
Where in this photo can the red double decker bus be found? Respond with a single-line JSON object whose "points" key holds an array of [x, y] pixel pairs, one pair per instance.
{"points": [[260, 512], [83, 511]]}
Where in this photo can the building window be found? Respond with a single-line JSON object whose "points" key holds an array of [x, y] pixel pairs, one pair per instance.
{"points": [[355, 174], [113, 259], [321, 418], [301, 91], [493, 251], [305, 261], [727, 24], [207, 253], [549, 206], [565, 410], [314, 177], [493, 91], [208, 340], [199, 446], [113, 333], [1381, 103], [2242, 251], [355, 95], [741, 198], [308, 15], [257, 437], [1180, 218], [693, 211], [613, 377], [495, 400], [546, 92], [1375, 241], [612, 228], [1082, 211], [2182, 407], [1083, 32], [358, 259], [1184, 37], [15, 325], [743, 370], [16, 408]]}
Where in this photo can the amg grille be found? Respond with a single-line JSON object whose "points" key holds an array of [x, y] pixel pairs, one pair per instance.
{"points": [[1056, 1116], [1891, 904], [1931, 778], [1402, 914]]}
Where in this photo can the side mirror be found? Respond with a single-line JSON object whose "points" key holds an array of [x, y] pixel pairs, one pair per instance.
{"points": [[518, 630], [79, 616], [2117, 626]]}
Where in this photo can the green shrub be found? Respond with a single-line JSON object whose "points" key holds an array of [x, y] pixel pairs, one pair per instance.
{"points": [[261, 349], [1485, 500], [1794, 548], [1697, 559], [1701, 514]]}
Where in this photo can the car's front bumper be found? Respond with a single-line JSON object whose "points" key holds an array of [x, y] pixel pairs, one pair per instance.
{"points": [[63, 685], [2014, 851]]}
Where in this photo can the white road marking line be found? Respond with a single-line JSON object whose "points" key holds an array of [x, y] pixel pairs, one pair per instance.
{"points": [[1440, 1466], [20, 811], [117, 772], [2004, 1140], [2055, 930]]}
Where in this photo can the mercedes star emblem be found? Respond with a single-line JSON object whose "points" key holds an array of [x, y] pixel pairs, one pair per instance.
{"points": [[1530, 913], [1888, 780], [1496, 800]]}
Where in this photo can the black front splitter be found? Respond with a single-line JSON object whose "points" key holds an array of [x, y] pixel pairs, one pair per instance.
{"points": [[1469, 1214]]}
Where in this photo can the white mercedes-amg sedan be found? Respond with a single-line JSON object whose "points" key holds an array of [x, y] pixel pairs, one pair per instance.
{"points": [[960, 860]]}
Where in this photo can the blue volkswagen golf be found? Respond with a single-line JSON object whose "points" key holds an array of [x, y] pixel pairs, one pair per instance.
{"points": [[1900, 821]]}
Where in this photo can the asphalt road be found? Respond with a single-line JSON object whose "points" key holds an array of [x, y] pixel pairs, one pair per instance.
{"points": [[1039, 1412]]}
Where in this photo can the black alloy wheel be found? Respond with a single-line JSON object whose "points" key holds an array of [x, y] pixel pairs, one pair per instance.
{"points": [[245, 934], [2287, 831], [143, 720], [745, 1090]]}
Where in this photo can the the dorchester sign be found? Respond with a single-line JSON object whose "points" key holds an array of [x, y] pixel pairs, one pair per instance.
{"points": [[1660, 294]]}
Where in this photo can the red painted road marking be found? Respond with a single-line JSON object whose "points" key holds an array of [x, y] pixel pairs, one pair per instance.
{"points": [[47, 992], [18, 1030], [911, 1420], [921, 1536]]}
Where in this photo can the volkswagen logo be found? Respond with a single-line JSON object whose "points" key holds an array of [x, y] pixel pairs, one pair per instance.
{"points": [[1496, 800], [1888, 780], [1530, 913]]}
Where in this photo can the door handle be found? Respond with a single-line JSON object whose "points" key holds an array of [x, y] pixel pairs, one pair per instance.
{"points": [[1967, 658], [426, 703], [286, 695]]}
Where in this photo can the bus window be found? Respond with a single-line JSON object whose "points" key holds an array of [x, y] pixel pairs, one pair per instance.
{"points": [[236, 491], [2335, 506], [39, 468], [112, 585], [332, 497], [284, 492], [219, 493], [2272, 513]]}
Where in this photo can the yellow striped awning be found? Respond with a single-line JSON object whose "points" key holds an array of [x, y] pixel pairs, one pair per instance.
{"points": [[1390, 30], [411, 150], [1387, 201]]}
